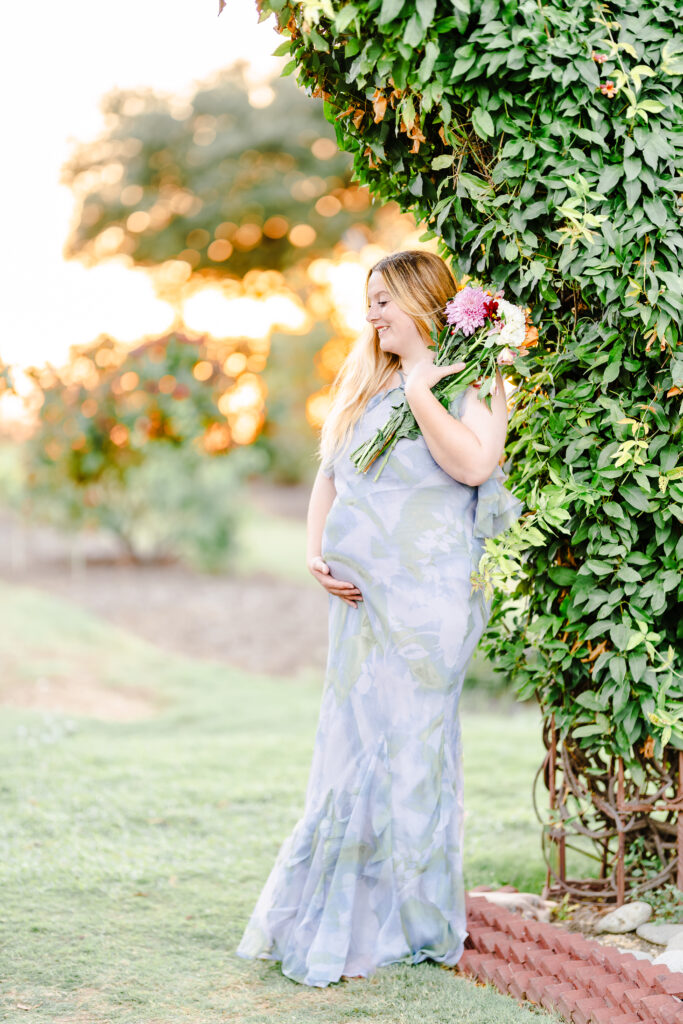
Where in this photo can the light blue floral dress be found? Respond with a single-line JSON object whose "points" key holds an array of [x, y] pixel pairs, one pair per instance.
{"points": [[372, 872]]}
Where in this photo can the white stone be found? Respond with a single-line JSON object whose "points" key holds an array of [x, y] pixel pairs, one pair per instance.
{"points": [[660, 934], [626, 918], [673, 960], [675, 942]]}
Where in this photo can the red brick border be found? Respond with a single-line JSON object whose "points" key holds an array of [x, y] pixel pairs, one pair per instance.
{"points": [[582, 980]]}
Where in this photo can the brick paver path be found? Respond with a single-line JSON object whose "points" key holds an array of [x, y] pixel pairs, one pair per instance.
{"points": [[582, 980]]}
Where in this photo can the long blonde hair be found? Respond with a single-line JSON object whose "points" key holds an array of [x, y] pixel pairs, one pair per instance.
{"points": [[420, 284]]}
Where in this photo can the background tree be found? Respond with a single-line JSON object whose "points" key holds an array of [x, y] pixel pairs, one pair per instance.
{"points": [[215, 182], [214, 188], [130, 441], [540, 143]]}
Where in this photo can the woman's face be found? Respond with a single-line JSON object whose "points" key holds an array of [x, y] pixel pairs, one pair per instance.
{"points": [[396, 330]]}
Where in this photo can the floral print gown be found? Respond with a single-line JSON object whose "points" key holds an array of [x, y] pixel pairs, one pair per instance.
{"points": [[372, 872]]}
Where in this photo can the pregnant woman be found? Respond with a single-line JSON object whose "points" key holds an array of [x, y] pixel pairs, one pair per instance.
{"points": [[372, 872]]}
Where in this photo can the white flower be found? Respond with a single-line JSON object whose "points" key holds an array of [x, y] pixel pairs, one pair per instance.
{"points": [[514, 328], [506, 357]]}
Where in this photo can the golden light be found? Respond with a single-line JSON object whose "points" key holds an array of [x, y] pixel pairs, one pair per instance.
{"points": [[202, 370], [119, 434], [260, 97], [276, 227], [247, 236], [328, 206], [355, 199], [247, 394], [111, 174], [219, 250], [167, 384], [246, 427], [82, 371], [184, 203], [308, 188], [285, 311], [138, 221], [256, 363], [131, 194], [324, 149], [302, 235], [190, 256], [226, 229], [129, 380], [216, 438], [235, 364], [317, 407], [108, 242], [89, 407], [330, 357], [211, 311]]}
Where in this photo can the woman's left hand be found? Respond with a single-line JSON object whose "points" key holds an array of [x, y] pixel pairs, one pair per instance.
{"points": [[424, 375]]}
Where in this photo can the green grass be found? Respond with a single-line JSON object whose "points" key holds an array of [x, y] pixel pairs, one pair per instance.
{"points": [[132, 853], [272, 544]]}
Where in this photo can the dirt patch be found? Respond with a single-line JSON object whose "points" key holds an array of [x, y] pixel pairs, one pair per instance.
{"points": [[71, 695], [258, 623]]}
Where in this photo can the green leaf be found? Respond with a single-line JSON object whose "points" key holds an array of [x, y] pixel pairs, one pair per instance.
{"points": [[414, 33], [561, 575], [440, 163], [637, 664], [656, 211], [620, 635], [672, 57], [425, 9], [588, 730], [283, 49], [628, 575], [635, 497], [617, 668], [390, 10], [598, 568], [609, 177], [482, 123], [592, 701]]}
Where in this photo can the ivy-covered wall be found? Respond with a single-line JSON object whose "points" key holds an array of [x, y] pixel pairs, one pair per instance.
{"points": [[541, 143]]}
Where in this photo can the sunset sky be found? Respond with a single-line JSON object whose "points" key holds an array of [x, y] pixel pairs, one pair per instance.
{"points": [[59, 60]]}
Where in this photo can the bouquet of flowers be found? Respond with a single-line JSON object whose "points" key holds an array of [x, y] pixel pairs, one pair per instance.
{"points": [[482, 330]]}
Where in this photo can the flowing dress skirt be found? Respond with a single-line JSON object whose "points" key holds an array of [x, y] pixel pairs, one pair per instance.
{"points": [[372, 872]]}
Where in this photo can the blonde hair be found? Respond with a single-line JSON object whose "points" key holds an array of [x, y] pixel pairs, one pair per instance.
{"points": [[420, 284]]}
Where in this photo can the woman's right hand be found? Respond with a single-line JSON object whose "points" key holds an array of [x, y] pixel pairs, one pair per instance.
{"points": [[347, 591]]}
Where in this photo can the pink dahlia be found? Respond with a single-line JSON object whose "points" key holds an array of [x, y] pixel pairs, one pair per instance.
{"points": [[469, 309]]}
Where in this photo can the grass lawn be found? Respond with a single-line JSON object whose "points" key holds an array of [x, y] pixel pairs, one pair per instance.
{"points": [[131, 853]]}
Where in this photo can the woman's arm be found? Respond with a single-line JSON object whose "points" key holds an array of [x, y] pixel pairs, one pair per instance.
{"points": [[469, 448], [322, 495]]}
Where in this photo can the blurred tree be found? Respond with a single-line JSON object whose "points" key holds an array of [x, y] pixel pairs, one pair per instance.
{"points": [[216, 182], [124, 441]]}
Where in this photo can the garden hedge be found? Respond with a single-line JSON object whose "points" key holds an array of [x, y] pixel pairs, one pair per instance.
{"points": [[541, 143]]}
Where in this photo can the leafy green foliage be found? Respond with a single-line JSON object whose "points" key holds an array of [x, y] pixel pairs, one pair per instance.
{"points": [[135, 443], [540, 143], [216, 183]]}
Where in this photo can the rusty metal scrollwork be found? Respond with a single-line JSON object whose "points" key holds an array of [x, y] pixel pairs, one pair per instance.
{"points": [[630, 831]]}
